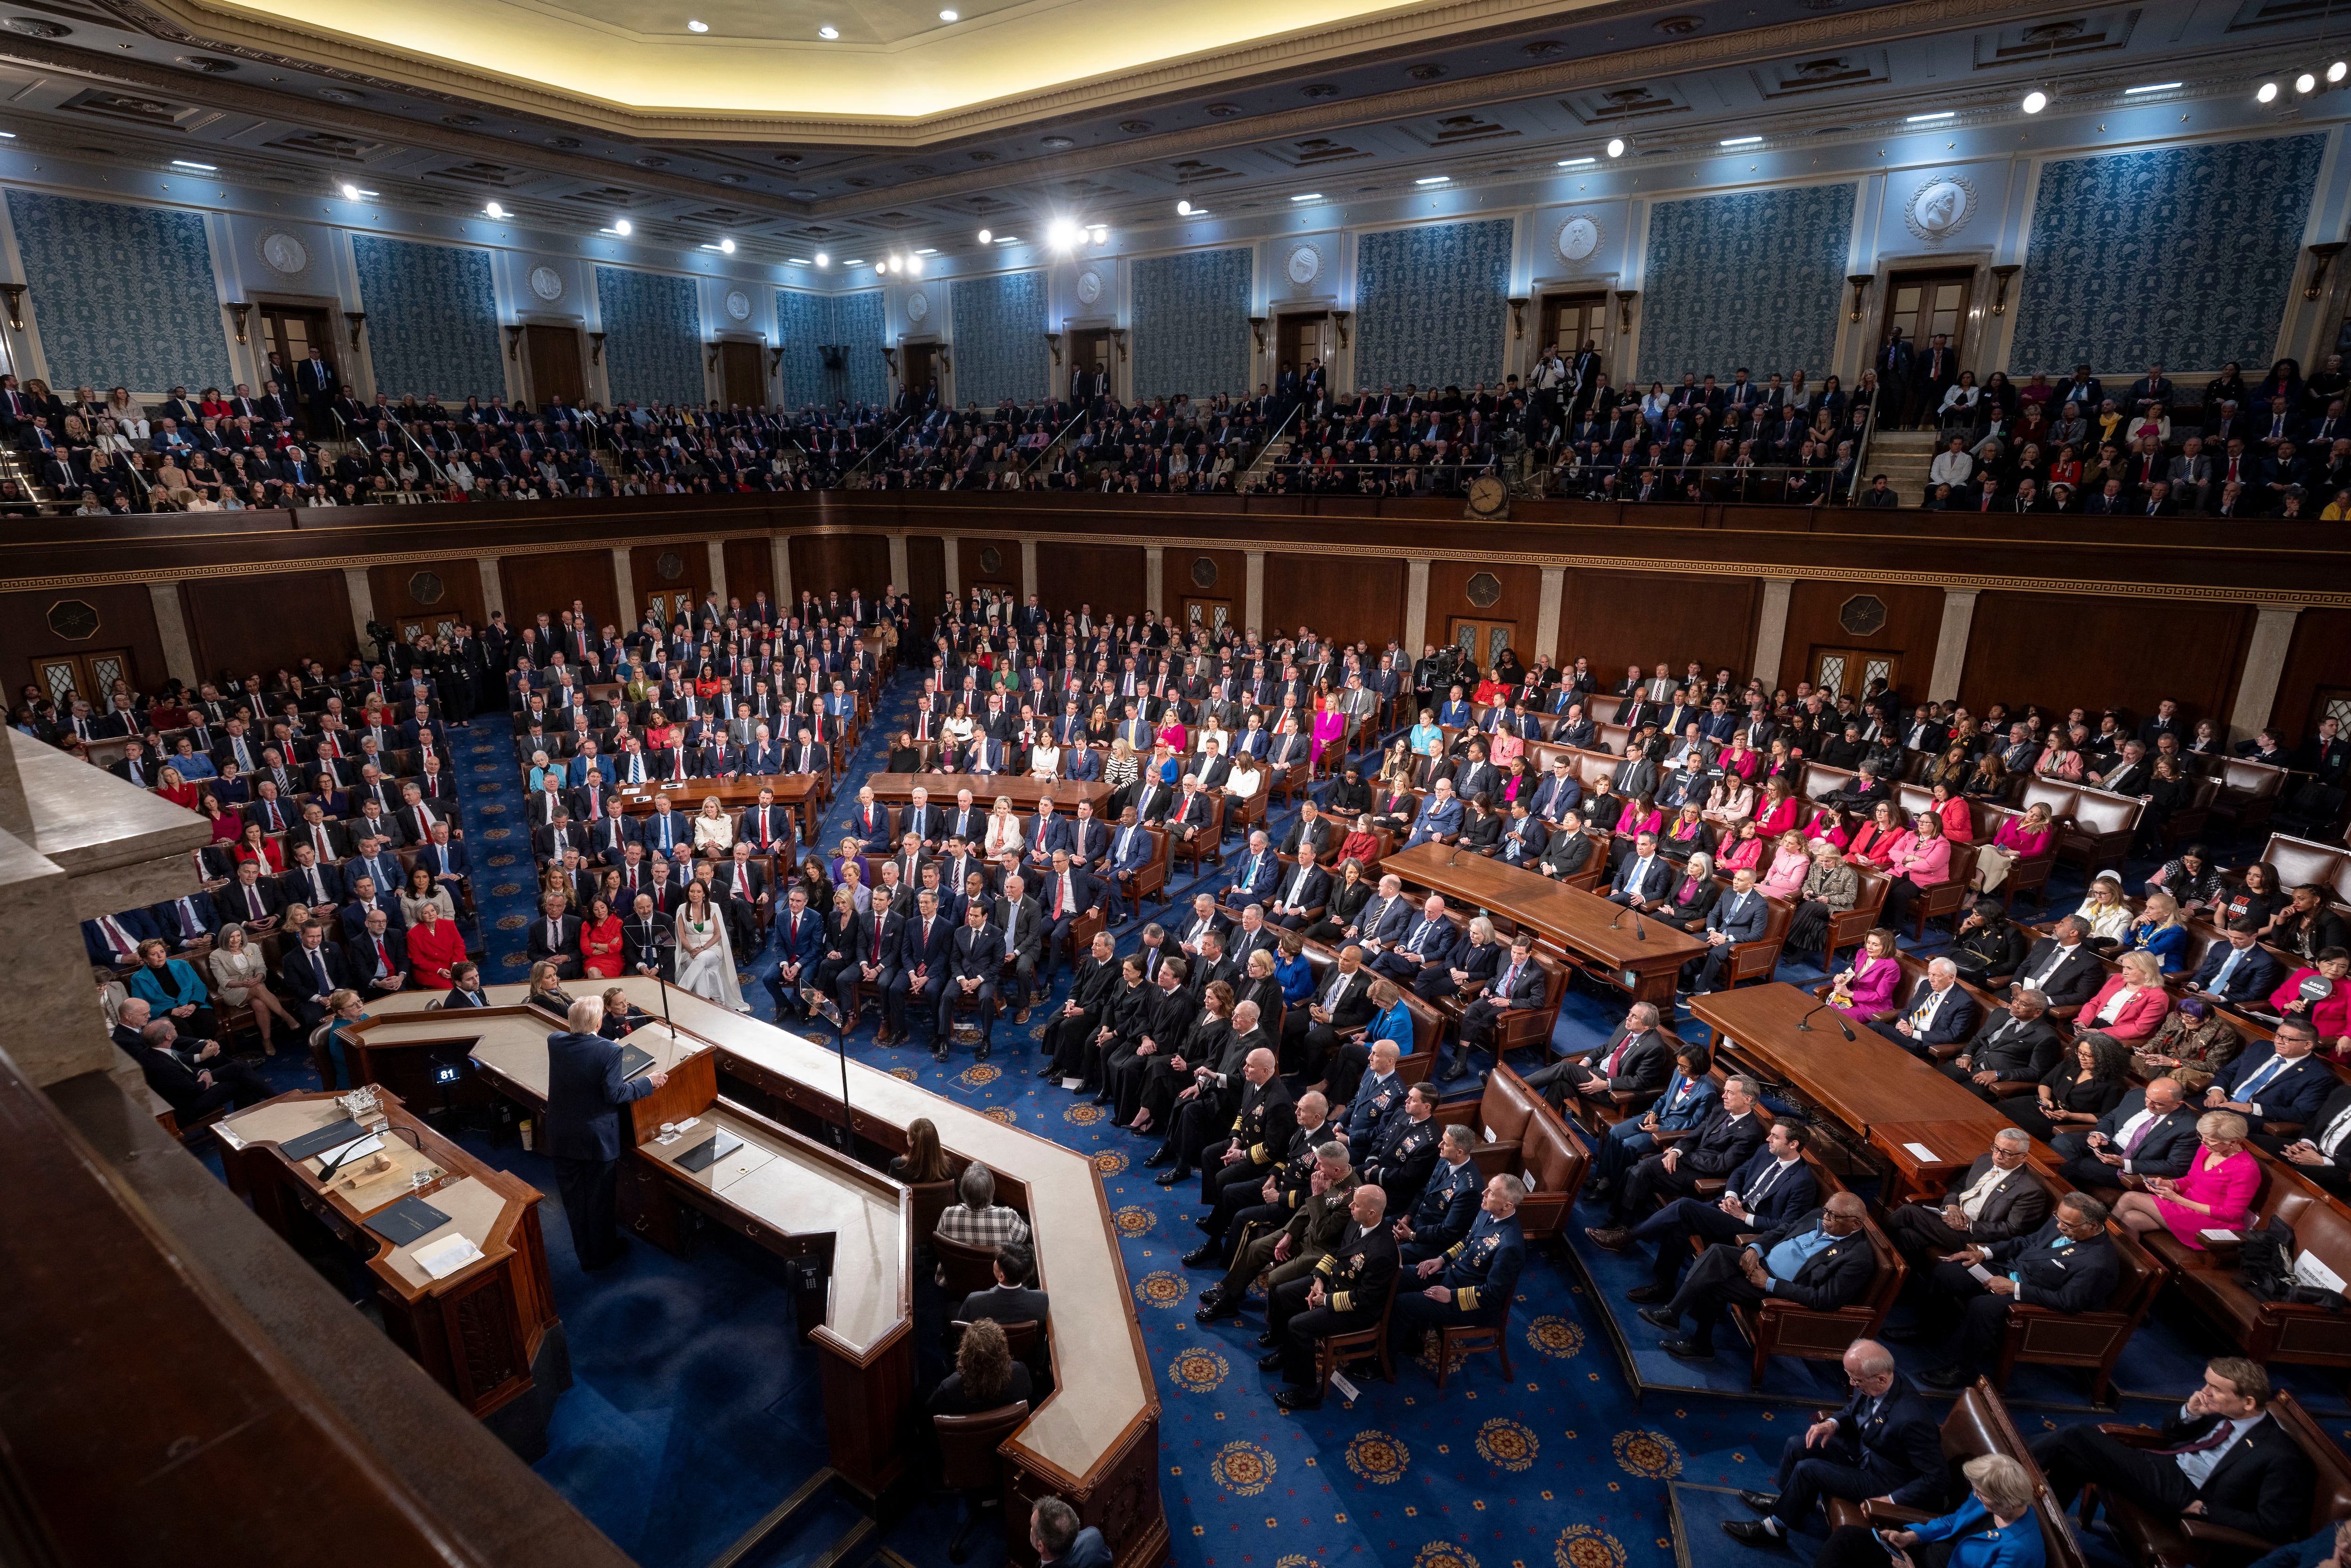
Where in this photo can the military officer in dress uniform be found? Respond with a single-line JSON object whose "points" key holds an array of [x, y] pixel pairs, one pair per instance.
{"points": [[1346, 1291], [1248, 1198], [1404, 1151], [1261, 1134], [1471, 1281], [1447, 1205], [1291, 1251]]}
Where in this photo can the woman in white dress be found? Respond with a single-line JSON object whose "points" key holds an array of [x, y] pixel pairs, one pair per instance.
{"points": [[1045, 760], [1003, 828], [706, 958], [713, 829]]}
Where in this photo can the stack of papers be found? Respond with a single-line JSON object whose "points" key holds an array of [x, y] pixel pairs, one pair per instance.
{"points": [[447, 1256]]}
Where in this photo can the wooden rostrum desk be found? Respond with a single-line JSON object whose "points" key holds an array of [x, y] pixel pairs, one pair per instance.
{"points": [[488, 1334], [1094, 1441]]}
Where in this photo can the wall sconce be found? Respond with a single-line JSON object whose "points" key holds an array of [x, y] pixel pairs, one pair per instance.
{"points": [[2000, 297], [237, 313], [596, 347], [890, 358], [1861, 282], [2322, 256], [1625, 298], [514, 341], [710, 361], [1053, 342], [1257, 329], [1517, 317], [355, 320], [945, 363], [774, 362], [1118, 336], [1341, 317]]}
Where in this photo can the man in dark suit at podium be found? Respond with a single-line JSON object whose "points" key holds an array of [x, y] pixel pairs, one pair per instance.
{"points": [[584, 1093]]}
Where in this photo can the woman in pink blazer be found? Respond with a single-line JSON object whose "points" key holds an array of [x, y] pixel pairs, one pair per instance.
{"points": [[1867, 987], [2131, 1005], [1744, 853], [1791, 863], [2019, 838], [1920, 858], [1827, 824], [2216, 1194]]}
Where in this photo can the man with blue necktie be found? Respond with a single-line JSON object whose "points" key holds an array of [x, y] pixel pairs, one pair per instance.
{"points": [[1769, 1190], [1739, 916], [1260, 871], [2275, 1080], [1821, 1260], [2239, 970], [1471, 1283], [1521, 987], [1645, 879], [1440, 818]]}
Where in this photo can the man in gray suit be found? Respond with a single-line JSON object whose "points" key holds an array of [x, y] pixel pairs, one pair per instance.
{"points": [[1634, 1058], [1998, 1198]]}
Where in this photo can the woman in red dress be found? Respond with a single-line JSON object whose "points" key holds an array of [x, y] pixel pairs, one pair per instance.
{"points": [[256, 845], [599, 941]]}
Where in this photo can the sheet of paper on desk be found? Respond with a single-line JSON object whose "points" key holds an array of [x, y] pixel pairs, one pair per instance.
{"points": [[346, 1153], [445, 1257], [1920, 1151], [2209, 1234]]}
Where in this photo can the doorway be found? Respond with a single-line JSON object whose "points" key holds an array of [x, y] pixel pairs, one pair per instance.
{"points": [[742, 379], [1573, 320], [64, 676], [1841, 671], [1925, 303], [1089, 354], [296, 332], [1484, 641], [922, 370], [668, 608], [1208, 615], [551, 364], [1302, 341]]}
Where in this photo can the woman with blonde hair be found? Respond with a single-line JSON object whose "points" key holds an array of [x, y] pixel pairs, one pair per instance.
{"points": [[2019, 839], [2216, 1193], [713, 829], [1004, 831], [241, 978]]}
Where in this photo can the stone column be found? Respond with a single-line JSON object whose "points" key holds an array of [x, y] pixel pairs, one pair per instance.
{"points": [[624, 583], [1416, 606], [717, 570], [1253, 595], [494, 588], [1155, 580], [171, 627], [362, 598], [1951, 644], [1771, 631], [2257, 688], [951, 560], [779, 566], [1548, 606], [898, 568], [1028, 569]]}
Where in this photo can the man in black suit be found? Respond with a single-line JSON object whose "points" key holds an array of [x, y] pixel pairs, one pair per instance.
{"points": [[1520, 985], [316, 381], [1070, 1049], [1206, 1107], [1998, 1198], [2067, 1264], [2151, 1133], [313, 970], [650, 940], [1716, 1146], [1264, 1125], [585, 1091], [2217, 1458], [1346, 1291], [1341, 1004], [2239, 972], [2016, 1046], [1895, 362], [2280, 1081], [2321, 1152], [975, 962], [1939, 1012], [555, 938], [1633, 1059], [191, 1074], [1009, 1300], [1820, 1260], [1771, 1189], [377, 957], [1886, 1442], [1742, 914], [2061, 965], [238, 899]]}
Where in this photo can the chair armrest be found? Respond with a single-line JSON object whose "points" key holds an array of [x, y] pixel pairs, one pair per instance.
{"points": [[1878, 1511], [1498, 1158], [2133, 1437], [2203, 1532]]}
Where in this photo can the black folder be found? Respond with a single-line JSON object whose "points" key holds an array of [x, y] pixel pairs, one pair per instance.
{"points": [[310, 1146], [406, 1221]]}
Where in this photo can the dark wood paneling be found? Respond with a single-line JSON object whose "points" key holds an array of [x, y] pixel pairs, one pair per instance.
{"points": [[245, 623], [1448, 596], [1177, 583], [2094, 654], [1913, 621], [690, 559], [126, 619], [459, 592], [549, 584], [927, 571], [1342, 598], [2318, 658], [750, 570], [1620, 618], [835, 563], [970, 569], [1108, 577]]}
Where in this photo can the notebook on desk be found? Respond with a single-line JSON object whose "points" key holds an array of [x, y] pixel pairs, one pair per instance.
{"points": [[310, 1144], [701, 1156], [406, 1221], [634, 1058]]}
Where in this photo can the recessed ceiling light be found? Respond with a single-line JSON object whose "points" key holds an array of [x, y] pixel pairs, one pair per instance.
{"points": [[1740, 140], [707, 245], [188, 163], [727, 246], [2036, 101], [2151, 86], [928, 250], [1008, 239], [822, 259], [1435, 180], [2305, 82], [1922, 119], [697, 27], [828, 31], [2336, 71], [1576, 162], [7, 136], [1616, 147], [880, 268], [795, 261], [1309, 196], [1184, 209], [350, 191], [985, 236], [950, 16], [494, 210]]}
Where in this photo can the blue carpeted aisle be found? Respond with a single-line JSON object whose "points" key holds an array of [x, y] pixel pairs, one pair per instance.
{"points": [[696, 1410]]}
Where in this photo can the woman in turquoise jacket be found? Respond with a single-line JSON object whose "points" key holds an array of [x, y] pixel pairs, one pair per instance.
{"points": [[1995, 1528]]}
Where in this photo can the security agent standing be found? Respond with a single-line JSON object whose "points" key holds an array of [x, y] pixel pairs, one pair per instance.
{"points": [[1345, 1293], [1471, 1281], [584, 1093]]}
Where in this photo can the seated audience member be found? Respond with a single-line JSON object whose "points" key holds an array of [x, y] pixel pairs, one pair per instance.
{"points": [[1470, 1283], [1994, 1528], [1718, 1145], [1009, 1300], [1346, 1291], [1688, 1096], [2018, 1044], [170, 988], [1998, 1198], [985, 1376], [1054, 1535], [2239, 972], [1939, 1012], [1634, 1059], [1886, 1441], [2149, 1133], [979, 1220], [2218, 1456], [2216, 1193], [1770, 1189], [2068, 1265], [2278, 1080], [1820, 1260]]}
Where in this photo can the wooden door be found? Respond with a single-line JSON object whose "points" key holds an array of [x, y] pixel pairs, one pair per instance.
{"points": [[1841, 671], [921, 361], [297, 332], [742, 377], [1927, 302], [1573, 323], [551, 365], [1301, 341], [1483, 639], [1089, 350], [1209, 615], [90, 676]]}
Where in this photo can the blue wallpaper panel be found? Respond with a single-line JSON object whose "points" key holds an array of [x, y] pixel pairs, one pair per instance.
{"points": [[123, 294], [1431, 304], [1000, 345], [2179, 256], [652, 335], [1191, 328], [810, 321], [431, 317], [1751, 278]]}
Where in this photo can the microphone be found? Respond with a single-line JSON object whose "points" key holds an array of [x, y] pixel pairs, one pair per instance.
{"points": [[1804, 1024], [1640, 932]]}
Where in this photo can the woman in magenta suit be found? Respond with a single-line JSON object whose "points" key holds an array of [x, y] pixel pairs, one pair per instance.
{"points": [[1920, 858], [1867, 987], [2216, 1194], [2132, 1004], [2019, 839], [1827, 824], [1330, 724]]}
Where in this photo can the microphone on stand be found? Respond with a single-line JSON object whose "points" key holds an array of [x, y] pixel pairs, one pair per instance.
{"points": [[1804, 1024], [1640, 932]]}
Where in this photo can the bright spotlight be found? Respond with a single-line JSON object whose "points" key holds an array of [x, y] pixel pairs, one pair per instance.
{"points": [[915, 265], [621, 225], [495, 210], [2268, 93], [2336, 71], [822, 259], [2036, 101], [2305, 82], [726, 246], [350, 191], [986, 236], [1616, 147]]}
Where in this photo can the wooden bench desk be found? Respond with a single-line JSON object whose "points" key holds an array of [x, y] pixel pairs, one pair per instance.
{"points": [[795, 792]]}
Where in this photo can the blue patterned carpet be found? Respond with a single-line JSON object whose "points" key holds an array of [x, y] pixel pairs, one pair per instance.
{"points": [[696, 1410]]}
